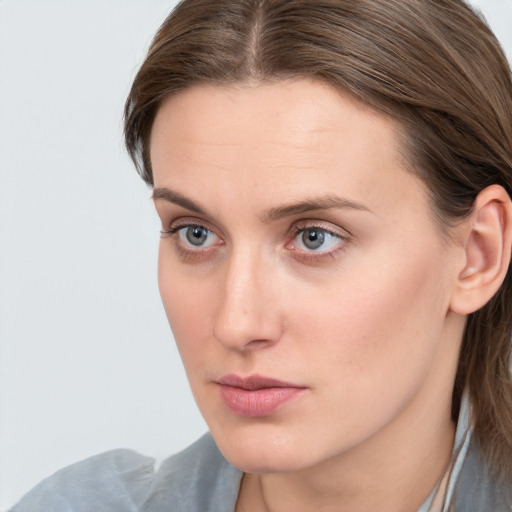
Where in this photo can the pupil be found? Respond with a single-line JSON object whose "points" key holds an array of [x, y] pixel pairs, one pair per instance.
{"points": [[197, 235], [313, 238]]}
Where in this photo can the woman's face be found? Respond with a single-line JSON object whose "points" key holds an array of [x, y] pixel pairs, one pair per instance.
{"points": [[306, 283]]}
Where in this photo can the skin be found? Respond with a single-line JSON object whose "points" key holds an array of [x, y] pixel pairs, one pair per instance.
{"points": [[364, 323]]}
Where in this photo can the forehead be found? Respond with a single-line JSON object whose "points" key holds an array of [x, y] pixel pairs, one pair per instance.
{"points": [[298, 113], [262, 141]]}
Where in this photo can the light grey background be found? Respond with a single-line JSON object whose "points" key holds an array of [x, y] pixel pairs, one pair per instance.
{"points": [[87, 361]]}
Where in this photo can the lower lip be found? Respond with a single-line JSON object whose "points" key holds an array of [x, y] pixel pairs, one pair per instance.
{"points": [[258, 402]]}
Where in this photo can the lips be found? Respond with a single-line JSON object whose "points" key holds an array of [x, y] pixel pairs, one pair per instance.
{"points": [[256, 396]]}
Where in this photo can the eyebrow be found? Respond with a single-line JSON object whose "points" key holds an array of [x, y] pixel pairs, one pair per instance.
{"points": [[272, 214], [315, 203], [171, 196]]}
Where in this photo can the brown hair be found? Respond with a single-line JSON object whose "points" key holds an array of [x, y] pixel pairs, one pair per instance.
{"points": [[432, 64]]}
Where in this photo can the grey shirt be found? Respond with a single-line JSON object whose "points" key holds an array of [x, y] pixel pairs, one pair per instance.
{"points": [[200, 479]]}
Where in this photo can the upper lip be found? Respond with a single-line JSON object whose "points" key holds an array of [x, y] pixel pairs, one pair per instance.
{"points": [[254, 382]]}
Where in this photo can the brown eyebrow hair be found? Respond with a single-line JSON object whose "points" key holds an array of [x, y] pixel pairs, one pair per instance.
{"points": [[272, 214], [315, 203], [171, 196]]}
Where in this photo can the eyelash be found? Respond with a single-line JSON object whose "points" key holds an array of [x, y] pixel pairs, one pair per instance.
{"points": [[311, 255], [189, 254]]}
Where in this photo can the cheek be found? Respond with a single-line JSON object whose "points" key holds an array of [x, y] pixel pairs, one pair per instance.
{"points": [[188, 306], [375, 326], [368, 343]]}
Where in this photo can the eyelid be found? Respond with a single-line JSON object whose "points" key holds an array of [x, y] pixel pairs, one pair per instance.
{"points": [[183, 222], [313, 256], [326, 226]]}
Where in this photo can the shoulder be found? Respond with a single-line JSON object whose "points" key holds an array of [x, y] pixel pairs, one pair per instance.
{"points": [[96, 483], [198, 479], [125, 481], [477, 488]]}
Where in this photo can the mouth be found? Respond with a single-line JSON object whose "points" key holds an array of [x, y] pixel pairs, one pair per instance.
{"points": [[256, 396]]}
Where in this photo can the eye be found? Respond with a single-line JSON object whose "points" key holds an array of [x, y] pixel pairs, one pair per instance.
{"points": [[316, 239], [193, 236], [198, 236]]}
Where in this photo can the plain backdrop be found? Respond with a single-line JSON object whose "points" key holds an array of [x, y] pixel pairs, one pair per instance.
{"points": [[87, 360]]}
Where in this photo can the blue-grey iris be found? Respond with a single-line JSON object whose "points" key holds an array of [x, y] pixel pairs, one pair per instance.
{"points": [[313, 238], [196, 235]]}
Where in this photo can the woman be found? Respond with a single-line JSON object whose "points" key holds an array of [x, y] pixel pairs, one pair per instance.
{"points": [[333, 179]]}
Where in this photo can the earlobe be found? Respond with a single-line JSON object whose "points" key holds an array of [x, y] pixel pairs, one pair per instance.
{"points": [[487, 248]]}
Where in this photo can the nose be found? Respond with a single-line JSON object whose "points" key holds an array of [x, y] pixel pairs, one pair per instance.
{"points": [[248, 314]]}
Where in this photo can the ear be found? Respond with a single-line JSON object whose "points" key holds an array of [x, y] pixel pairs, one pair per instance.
{"points": [[487, 243]]}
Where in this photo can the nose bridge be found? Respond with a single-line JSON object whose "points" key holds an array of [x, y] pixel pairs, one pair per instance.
{"points": [[245, 317]]}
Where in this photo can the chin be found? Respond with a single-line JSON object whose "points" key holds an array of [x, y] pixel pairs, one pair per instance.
{"points": [[264, 461], [264, 452]]}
